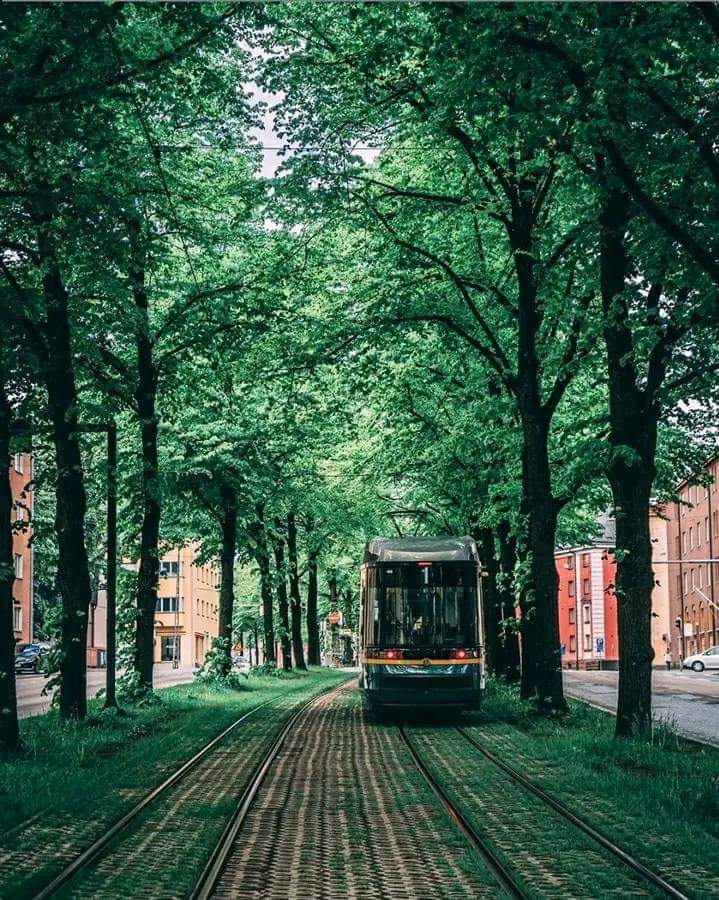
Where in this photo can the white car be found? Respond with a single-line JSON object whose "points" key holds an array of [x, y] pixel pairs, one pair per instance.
{"points": [[709, 659]]}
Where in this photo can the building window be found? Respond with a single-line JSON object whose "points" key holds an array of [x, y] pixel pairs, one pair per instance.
{"points": [[570, 587], [699, 535], [691, 538], [168, 569], [686, 582], [587, 615], [585, 559], [17, 618], [18, 565], [586, 587], [694, 578], [18, 463], [587, 643], [679, 586], [572, 616], [167, 647], [684, 541], [168, 604], [572, 643], [707, 535], [715, 516]]}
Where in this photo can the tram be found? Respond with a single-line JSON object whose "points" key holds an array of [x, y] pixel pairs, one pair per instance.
{"points": [[420, 636]]}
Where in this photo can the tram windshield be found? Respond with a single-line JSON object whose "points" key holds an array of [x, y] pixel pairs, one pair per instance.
{"points": [[421, 605]]}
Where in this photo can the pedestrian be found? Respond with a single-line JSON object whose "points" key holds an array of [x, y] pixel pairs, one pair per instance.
{"points": [[668, 659]]}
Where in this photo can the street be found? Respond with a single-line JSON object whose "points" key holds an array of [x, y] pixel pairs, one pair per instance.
{"points": [[31, 701], [687, 701]]}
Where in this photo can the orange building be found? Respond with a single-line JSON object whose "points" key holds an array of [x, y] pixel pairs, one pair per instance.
{"points": [[693, 569], [21, 475], [187, 616]]}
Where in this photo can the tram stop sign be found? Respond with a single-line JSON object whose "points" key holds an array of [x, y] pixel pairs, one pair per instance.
{"points": [[333, 618]]}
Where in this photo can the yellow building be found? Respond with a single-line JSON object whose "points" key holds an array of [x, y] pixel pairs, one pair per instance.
{"points": [[187, 614]]}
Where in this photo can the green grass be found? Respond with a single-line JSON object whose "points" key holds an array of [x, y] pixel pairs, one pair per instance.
{"points": [[656, 797], [106, 763]]}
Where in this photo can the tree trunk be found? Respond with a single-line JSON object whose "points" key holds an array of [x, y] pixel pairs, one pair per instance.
{"points": [[490, 603], [541, 655], [295, 599], [263, 563], [633, 426], [146, 401], [282, 602], [313, 626], [73, 571], [505, 588], [228, 524], [541, 660], [348, 623], [9, 729]]}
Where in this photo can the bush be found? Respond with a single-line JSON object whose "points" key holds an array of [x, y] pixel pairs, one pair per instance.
{"points": [[217, 668]]}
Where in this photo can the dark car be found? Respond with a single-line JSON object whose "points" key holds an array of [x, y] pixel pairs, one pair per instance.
{"points": [[28, 659]]}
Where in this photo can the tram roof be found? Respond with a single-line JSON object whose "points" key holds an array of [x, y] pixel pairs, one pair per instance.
{"points": [[416, 549]]}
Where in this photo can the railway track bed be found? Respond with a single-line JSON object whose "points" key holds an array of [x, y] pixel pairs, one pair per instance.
{"points": [[535, 845]]}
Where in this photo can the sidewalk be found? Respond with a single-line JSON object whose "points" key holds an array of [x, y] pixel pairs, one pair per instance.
{"points": [[31, 702], [685, 701]]}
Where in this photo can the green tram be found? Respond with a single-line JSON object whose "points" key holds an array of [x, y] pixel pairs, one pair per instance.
{"points": [[420, 623]]}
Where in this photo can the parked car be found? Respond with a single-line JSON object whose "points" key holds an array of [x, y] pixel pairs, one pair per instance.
{"points": [[709, 659], [28, 659], [241, 663]]}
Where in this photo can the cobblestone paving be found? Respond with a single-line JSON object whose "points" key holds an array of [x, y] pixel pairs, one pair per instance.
{"points": [[661, 852], [550, 857], [344, 814], [163, 852], [49, 841]]}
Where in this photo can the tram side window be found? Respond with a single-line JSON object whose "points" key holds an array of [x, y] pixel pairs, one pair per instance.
{"points": [[372, 623]]}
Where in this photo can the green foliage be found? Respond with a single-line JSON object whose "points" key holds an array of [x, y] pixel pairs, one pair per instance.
{"points": [[217, 668]]}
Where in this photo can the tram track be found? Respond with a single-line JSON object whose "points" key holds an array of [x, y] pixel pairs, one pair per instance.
{"points": [[85, 858], [500, 872], [204, 888], [109, 848], [520, 878], [578, 821]]}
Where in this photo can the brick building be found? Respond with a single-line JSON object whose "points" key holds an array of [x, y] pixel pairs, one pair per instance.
{"points": [[693, 570], [588, 630], [587, 604], [21, 475]]}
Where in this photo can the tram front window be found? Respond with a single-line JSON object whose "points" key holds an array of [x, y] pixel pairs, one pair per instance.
{"points": [[427, 605]]}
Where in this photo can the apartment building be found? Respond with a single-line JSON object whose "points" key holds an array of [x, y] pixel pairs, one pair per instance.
{"points": [[188, 603], [693, 570], [21, 476], [587, 603], [588, 627]]}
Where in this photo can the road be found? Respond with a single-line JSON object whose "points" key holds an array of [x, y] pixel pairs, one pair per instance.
{"points": [[30, 699], [687, 701]]}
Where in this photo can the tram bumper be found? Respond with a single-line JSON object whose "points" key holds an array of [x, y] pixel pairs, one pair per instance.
{"points": [[424, 686]]}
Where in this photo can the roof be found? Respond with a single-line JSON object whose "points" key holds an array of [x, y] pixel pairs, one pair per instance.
{"points": [[605, 536], [416, 549]]}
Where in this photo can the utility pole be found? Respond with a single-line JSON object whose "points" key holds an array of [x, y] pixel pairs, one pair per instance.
{"points": [[111, 576], [175, 655]]}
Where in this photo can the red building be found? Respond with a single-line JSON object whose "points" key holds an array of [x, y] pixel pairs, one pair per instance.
{"points": [[587, 603], [20, 485], [693, 568]]}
